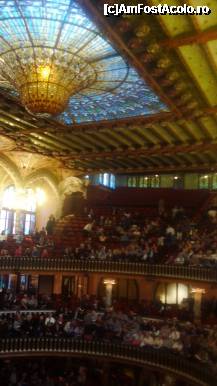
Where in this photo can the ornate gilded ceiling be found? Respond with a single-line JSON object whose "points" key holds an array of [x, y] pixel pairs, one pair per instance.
{"points": [[176, 56]]}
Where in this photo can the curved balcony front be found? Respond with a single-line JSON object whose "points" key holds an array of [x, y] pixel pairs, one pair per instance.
{"points": [[11, 264], [156, 359]]}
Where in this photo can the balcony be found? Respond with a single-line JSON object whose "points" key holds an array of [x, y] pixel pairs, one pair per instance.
{"points": [[154, 358], [121, 267]]}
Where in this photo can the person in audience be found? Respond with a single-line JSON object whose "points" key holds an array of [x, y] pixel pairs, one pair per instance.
{"points": [[50, 225], [87, 230], [91, 320], [18, 251], [130, 236], [27, 252], [44, 253], [35, 252]]}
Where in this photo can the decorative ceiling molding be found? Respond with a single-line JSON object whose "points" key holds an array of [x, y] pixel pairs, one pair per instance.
{"points": [[155, 150]]}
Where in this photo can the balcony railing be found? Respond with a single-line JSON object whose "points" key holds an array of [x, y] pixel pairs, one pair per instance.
{"points": [[156, 358], [122, 267]]}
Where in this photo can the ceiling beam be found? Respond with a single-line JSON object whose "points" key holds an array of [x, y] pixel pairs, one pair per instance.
{"points": [[25, 126], [161, 169], [151, 151], [55, 126], [51, 126], [198, 38], [97, 126]]}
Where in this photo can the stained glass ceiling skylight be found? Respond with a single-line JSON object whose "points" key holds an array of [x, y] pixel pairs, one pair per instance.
{"points": [[51, 54]]}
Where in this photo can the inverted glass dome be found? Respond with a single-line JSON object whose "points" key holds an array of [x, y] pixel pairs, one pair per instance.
{"points": [[56, 61]]}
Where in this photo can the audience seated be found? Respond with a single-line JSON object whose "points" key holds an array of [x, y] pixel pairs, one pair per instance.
{"points": [[51, 371], [89, 319], [169, 238]]}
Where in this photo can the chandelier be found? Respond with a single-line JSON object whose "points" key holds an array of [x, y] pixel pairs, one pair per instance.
{"points": [[46, 78], [50, 51]]}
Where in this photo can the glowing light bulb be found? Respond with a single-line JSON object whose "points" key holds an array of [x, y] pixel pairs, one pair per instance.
{"points": [[44, 72]]}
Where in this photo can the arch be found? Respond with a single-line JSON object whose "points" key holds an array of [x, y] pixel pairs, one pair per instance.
{"points": [[172, 292], [11, 169], [45, 174]]}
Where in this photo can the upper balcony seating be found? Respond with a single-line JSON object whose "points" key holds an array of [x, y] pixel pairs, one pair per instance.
{"points": [[69, 233]]}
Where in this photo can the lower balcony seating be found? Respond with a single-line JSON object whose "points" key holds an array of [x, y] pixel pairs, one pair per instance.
{"points": [[24, 303], [58, 370], [87, 327], [189, 371]]}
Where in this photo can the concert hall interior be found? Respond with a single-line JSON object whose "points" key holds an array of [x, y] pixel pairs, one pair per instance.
{"points": [[108, 193]]}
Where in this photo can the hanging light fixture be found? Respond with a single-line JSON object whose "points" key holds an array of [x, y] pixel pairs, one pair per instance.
{"points": [[55, 60], [50, 51], [46, 78], [46, 82]]}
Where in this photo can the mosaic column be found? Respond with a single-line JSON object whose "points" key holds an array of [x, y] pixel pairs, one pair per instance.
{"points": [[57, 288], [108, 288], [197, 295]]}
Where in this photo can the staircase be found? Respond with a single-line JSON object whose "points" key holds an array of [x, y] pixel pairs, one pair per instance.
{"points": [[68, 231]]}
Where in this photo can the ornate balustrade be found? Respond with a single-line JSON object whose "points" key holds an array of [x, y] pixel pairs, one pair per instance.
{"points": [[122, 267], [155, 358]]}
